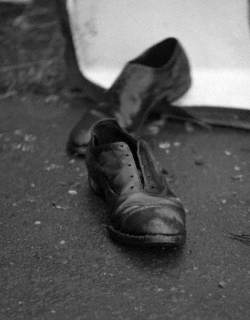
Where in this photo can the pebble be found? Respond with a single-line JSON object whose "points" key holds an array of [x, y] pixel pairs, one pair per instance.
{"points": [[228, 153], [37, 223], [222, 284], [164, 145], [62, 242], [223, 201], [72, 192], [236, 168], [177, 144]]}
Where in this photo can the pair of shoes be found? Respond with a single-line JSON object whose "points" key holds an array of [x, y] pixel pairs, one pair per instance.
{"points": [[160, 73], [142, 208]]}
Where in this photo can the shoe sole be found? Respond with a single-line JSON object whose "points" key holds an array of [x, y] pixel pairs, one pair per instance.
{"points": [[147, 240]]}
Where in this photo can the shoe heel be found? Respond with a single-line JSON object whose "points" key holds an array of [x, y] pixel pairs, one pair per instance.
{"points": [[94, 187]]}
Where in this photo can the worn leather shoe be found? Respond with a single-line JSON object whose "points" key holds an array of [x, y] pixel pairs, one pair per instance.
{"points": [[161, 72], [123, 171]]}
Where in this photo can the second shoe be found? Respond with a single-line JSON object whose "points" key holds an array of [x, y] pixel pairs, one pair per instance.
{"points": [[161, 72]]}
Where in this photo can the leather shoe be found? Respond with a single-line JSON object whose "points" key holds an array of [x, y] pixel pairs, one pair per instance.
{"points": [[161, 72], [123, 171]]}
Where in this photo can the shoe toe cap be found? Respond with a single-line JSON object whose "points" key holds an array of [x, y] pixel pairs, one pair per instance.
{"points": [[155, 221]]}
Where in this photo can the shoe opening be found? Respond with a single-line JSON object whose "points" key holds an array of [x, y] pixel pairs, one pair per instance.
{"points": [[157, 55], [108, 131]]}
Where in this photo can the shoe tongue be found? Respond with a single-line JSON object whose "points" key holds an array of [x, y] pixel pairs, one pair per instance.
{"points": [[119, 166]]}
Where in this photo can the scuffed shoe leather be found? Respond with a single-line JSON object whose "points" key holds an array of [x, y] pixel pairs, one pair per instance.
{"points": [[142, 208], [161, 72]]}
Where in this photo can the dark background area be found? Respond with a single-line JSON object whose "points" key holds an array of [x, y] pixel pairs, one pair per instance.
{"points": [[31, 55]]}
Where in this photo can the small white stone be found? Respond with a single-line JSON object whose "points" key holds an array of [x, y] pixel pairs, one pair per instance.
{"points": [[223, 201], [37, 223], [62, 242], [236, 168], [176, 144], [72, 192], [164, 145], [228, 153]]}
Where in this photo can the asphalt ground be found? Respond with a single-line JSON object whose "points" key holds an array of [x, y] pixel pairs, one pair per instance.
{"points": [[57, 260]]}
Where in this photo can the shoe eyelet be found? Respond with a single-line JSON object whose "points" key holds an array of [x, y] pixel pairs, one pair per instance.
{"points": [[131, 176], [152, 187], [129, 165], [132, 187]]}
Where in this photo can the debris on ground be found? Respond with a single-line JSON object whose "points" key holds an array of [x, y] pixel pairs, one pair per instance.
{"points": [[177, 144], [60, 207], [198, 160], [236, 168], [164, 145], [72, 192], [237, 177], [242, 237], [53, 166], [228, 153], [222, 284]]}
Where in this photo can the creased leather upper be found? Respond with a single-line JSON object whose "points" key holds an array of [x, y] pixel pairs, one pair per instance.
{"points": [[137, 193]]}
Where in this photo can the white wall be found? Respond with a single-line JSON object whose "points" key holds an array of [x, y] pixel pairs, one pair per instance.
{"points": [[215, 34]]}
